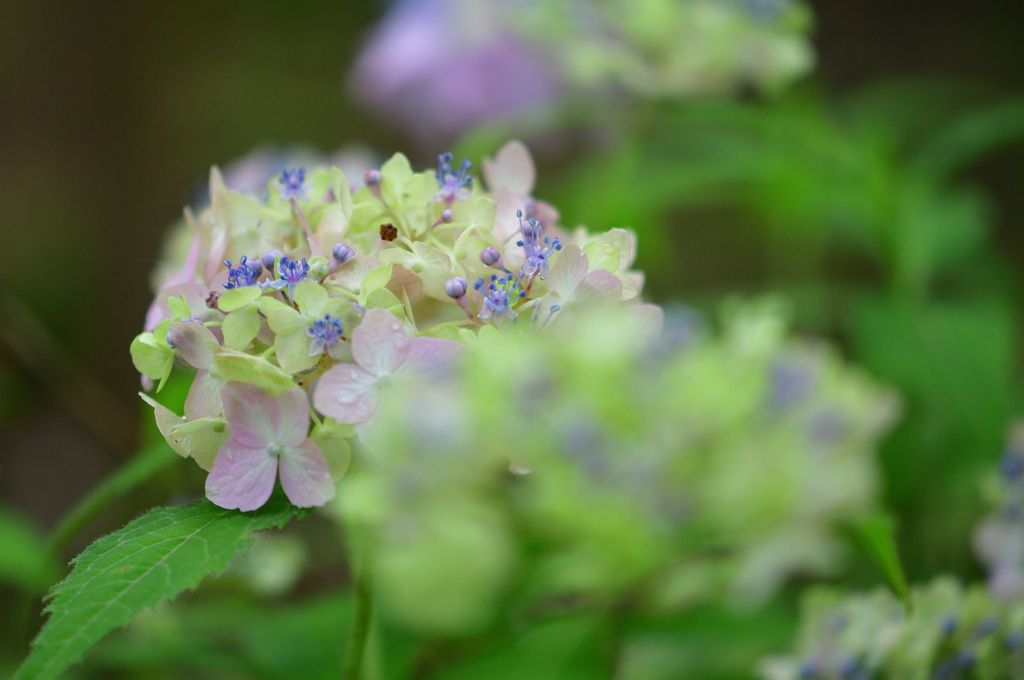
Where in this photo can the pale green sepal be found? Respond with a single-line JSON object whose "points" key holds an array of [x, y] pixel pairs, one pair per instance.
{"points": [[202, 438], [236, 298], [331, 438], [375, 280], [240, 327], [152, 357], [394, 175], [166, 421], [385, 299], [292, 352], [230, 365], [282, 318], [179, 307], [342, 191], [613, 250], [430, 265], [310, 297]]}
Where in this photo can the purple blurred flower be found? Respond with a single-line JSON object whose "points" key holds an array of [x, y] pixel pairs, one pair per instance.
{"points": [[437, 70]]}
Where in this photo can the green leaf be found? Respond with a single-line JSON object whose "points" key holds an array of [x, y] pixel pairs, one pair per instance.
{"points": [[877, 535], [23, 560], [155, 557]]}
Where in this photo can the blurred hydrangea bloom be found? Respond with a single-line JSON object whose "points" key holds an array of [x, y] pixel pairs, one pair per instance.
{"points": [[999, 539], [443, 66], [952, 633], [310, 292], [628, 462]]}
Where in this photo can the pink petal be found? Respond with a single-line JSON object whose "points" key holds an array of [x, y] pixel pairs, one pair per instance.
{"points": [[378, 342], [512, 169], [241, 477], [203, 398], [194, 342], [292, 424], [305, 477], [600, 283], [346, 393], [429, 355], [251, 414]]}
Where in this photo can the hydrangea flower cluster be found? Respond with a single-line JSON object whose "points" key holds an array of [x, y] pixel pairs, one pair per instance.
{"points": [[300, 308], [952, 633], [667, 468]]}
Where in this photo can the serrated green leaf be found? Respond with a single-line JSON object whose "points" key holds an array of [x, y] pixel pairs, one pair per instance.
{"points": [[236, 298], [153, 558]]}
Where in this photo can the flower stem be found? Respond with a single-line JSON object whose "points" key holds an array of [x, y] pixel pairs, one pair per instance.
{"points": [[145, 465], [361, 612]]}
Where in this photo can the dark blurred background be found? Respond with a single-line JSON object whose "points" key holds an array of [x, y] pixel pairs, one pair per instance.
{"points": [[112, 113]]}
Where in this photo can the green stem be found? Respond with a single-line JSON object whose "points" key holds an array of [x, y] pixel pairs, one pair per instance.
{"points": [[361, 612], [125, 479]]}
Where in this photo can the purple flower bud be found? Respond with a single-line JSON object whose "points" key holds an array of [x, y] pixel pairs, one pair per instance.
{"points": [[447, 215], [270, 258], [371, 177], [456, 287], [491, 257], [342, 252], [254, 264]]}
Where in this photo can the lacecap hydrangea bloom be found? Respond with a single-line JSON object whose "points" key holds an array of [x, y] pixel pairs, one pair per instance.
{"points": [[307, 303]]}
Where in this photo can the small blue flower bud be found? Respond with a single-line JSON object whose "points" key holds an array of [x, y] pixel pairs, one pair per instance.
{"points": [[447, 216], [270, 258], [491, 257], [254, 264], [371, 177], [456, 287], [342, 252]]}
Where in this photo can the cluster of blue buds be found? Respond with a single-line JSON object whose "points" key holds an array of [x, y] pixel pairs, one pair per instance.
{"points": [[499, 295], [245, 274], [326, 334], [537, 251], [292, 184], [290, 273], [455, 186]]}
